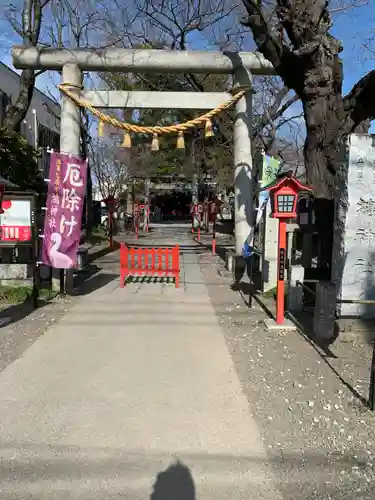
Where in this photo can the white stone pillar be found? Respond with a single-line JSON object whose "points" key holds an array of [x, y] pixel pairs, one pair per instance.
{"points": [[243, 165], [353, 260], [70, 133], [70, 142], [270, 253]]}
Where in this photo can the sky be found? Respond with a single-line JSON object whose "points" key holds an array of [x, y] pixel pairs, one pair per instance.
{"points": [[352, 27]]}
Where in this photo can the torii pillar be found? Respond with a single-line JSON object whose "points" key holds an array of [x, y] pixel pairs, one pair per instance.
{"points": [[243, 163], [70, 143]]}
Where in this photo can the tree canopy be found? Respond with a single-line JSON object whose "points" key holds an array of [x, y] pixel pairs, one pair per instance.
{"points": [[202, 24], [296, 38], [19, 161]]}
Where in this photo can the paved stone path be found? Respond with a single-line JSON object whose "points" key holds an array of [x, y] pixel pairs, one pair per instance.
{"points": [[131, 395]]}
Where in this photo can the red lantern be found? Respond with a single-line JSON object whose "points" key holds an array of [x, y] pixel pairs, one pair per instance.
{"points": [[110, 203], [212, 210], [283, 195]]}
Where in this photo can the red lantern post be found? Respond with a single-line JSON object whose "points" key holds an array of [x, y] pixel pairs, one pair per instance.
{"points": [[283, 195], [212, 218], [200, 211]]}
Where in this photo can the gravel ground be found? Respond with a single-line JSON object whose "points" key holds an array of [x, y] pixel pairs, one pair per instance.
{"points": [[319, 435]]}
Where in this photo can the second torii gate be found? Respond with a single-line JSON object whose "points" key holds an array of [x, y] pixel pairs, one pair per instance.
{"points": [[72, 63]]}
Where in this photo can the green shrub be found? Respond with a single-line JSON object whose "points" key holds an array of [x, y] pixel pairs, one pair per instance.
{"points": [[19, 161]]}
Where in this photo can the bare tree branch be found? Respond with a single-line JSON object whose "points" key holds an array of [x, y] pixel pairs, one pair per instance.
{"points": [[29, 29], [272, 45], [306, 56], [168, 24], [109, 173], [359, 104]]}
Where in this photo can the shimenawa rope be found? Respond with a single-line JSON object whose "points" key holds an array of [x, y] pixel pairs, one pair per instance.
{"points": [[179, 128]]}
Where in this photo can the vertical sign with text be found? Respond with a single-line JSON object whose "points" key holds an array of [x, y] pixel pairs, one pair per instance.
{"points": [[269, 173], [62, 224]]}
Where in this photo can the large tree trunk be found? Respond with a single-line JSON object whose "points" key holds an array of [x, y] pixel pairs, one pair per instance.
{"points": [[321, 153], [31, 22], [305, 55]]}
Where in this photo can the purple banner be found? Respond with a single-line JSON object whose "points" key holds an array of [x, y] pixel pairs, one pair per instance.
{"points": [[62, 223]]}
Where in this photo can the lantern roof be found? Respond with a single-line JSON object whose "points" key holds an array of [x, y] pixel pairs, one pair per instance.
{"points": [[289, 179], [109, 198]]}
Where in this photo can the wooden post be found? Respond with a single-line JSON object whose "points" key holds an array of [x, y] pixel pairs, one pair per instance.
{"points": [[280, 287]]}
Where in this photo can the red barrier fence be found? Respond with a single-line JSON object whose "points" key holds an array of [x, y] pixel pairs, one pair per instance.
{"points": [[149, 262]]}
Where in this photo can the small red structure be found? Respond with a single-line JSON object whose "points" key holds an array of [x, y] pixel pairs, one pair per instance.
{"points": [[212, 210], [149, 262], [283, 195], [139, 208], [206, 213]]}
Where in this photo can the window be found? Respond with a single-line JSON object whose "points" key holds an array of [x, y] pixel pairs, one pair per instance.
{"points": [[48, 138], [285, 203]]}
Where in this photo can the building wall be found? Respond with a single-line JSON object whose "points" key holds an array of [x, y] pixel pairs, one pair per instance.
{"points": [[47, 112]]}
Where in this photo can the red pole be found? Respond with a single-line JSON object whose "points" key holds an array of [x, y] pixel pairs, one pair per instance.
{"points": [[280, 288], [199, 227], [110, 226], [214, 237]]}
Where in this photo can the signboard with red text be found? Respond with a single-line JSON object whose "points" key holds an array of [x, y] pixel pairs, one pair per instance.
{"points": [[17, 220]]}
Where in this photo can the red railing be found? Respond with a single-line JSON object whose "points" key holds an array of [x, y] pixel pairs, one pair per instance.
{"points": [[149, 262]]}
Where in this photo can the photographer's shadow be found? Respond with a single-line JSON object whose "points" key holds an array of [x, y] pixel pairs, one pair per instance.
{"points": [[175, 483]]}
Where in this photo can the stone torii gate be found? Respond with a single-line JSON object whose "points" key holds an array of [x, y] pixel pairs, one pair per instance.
{"points": [[242, 65]]}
